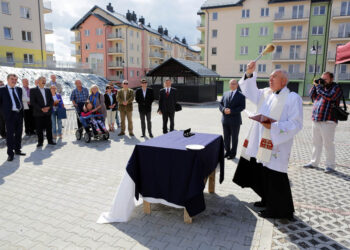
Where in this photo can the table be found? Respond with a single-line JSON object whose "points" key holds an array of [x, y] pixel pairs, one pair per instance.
{"points": [[163, 171]]}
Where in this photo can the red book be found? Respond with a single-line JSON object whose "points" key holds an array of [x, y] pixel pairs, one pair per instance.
{"points": [[262, 118]]}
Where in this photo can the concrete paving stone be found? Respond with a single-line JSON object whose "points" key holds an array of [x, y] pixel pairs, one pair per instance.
{"points": [[124, 244]]}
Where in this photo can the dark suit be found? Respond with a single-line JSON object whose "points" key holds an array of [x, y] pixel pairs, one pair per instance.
{"points": [[13, 119], [108, 102], [42, 120], [2, 123], [232, 122], [167, 107], [145, 108]]}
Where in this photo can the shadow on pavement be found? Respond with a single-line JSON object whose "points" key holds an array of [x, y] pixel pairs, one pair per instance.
{"points": [[335, 173], [99, 145], [8, 168], [43, 153]]}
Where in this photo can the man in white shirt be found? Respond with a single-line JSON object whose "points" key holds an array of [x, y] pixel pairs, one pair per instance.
{"points": [[264, 160]]}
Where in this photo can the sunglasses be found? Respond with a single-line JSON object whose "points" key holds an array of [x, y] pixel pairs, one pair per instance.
{"points": [[125, 83], [143, 82]]}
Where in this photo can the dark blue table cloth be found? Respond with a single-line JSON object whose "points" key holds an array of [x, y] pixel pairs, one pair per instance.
{"points": [[163, 168]]}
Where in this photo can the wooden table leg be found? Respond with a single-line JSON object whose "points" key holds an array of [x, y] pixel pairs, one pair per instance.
{"points": [[187, 217], [146, 207], [211, 187]]}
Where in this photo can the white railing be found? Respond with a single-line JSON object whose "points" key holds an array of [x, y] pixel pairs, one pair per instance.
{"points": [[50, 47], [155, 42], [47, 5], [340, 13], [290, 16], [297, 76], [282, 36], [344, 76], [115, 64], [48, 26], [116, 78], [75, 52], [200, 24], [280, 56], [75, 39], [156, 54], [200, 41], [115, 35], [340, 34], [115, 50]]}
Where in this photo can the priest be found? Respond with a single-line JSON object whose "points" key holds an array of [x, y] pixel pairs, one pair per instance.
{"points": [[266, 151]]}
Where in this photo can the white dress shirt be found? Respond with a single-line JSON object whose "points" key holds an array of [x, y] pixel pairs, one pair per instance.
{"points": [[14, 108], [42, 90], [144, 93]]}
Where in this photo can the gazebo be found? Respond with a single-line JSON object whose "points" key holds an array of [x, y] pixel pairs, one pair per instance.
{"points": [[343, 57], [194, 82]]}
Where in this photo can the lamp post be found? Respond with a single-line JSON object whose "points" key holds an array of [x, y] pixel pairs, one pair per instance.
{"points": [[315, 50]]}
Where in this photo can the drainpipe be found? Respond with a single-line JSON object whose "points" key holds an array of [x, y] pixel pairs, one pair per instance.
{"points": [[106, 51], [307, 50], [326, 38], [126, 51], [207, 38], [41, 35]]}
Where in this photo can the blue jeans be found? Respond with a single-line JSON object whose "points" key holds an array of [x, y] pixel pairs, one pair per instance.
{"points": [[117, 118], [56, 124]]}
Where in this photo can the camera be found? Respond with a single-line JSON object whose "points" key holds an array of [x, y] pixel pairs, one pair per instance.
{"points": [[320, 81]]}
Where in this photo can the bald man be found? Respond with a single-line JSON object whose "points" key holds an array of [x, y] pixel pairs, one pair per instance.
{"points": [[231, 105], [264, 159]]}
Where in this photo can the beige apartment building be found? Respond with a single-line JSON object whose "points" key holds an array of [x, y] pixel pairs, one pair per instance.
{"points": [[22, 34], [305, 33]]}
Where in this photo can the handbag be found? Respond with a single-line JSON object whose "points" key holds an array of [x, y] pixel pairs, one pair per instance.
{"points": [[61, 113], [178, 107], [340, 113]]}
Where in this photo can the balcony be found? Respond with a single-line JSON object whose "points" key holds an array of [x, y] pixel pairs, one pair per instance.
{"points": [[115, 36], [341, 15], [75, 52], [50, 49], [288, 58], [289, 17], [200, 26], [47, 7], [344, 76], [281, 37], [296, 76], [75, 39], [116, 78], [115, 65], [166, 49], [331, 56], [155, 43], [48, 28], [340, 36], [115, 51], [155, 55], [153, 65], [200, 43]]}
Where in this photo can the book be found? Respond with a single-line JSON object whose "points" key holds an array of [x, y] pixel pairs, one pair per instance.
{"points": [[262, 118]]}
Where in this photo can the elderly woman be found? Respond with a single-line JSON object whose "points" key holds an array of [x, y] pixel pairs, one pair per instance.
{"points": [[98, 101], [55, 120]]}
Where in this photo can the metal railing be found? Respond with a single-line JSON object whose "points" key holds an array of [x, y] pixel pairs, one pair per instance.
{"points": [[200, 41], [75, 39], [115, 50], [155, 42], [200, 24], [280, 56], [75, 52], [344, 76], [115, 64], [115, 35], [338, 13], [156, 54], [116, 78], [297, 76], [331, 55], [47, 5], [48, 27], [290, 16], [282, 36], [50, 48], [340, 35]]}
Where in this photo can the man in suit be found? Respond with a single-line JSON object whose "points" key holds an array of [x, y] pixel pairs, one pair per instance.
{"points": [[167, 102], [54, 83], [28, 110], [125, 97], [2, 119], [42, 102], [231, 106], [12, 111], [145, 97]]}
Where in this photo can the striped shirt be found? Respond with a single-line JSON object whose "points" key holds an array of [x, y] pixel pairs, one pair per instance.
{"points": [[324, 100]]}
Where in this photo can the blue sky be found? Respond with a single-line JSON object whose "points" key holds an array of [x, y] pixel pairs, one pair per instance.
{"points": [[179, 16]]}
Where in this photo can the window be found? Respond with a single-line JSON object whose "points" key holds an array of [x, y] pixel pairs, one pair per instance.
{"points": [[245, 13], [319, 10], [131, 73], [294, 52], [244, 31], [28, 58], [312, 68], [99, 31], [264, 12], [25, 12], [242, 68], [213, 51], [213, 67], [317, 30], [342, 69], [87, 46], [264, 31], [298, 11], [9, 57], [297, 32], [131, 46], [87, 59], [131, 33], [99, 45], [261, 48], [293, 68], [138, 73], [138, 61], [26, 36], [7, 33], [131, 59], [280, 12], [138, 47], [87, 32], [278, 66], [215, 16], [244, 50], [5, 8], [262, 68], [344, 30], [345, 8], [214, 33]]}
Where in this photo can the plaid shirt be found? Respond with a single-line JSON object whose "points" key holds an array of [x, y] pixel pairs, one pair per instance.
{"points": [[324, 100], [79, 96]]}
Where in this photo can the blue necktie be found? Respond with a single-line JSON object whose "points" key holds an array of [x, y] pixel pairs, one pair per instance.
{"points": [[18, 104]]}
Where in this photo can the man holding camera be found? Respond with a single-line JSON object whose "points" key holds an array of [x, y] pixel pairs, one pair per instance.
{"points": [[325, 94]]}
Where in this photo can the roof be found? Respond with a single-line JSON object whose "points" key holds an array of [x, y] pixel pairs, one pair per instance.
{"points": [[177, 67], [283, 1], [212, 4]]}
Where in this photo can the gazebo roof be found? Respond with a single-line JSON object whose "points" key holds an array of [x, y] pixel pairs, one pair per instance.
{"points": [[176, 67]]}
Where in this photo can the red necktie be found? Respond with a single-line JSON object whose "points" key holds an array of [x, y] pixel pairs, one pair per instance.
{"points": [[167, 92]]}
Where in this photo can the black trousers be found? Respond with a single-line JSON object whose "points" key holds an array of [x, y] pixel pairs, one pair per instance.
{"points": [[29, 123], [43, 123], [143, 117], [14, 128], [231, 133], [79, 109], [166, 116], [2, 126]]}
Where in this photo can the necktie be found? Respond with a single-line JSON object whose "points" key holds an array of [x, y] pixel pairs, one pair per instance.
{"points": [[231, 95], [18, 104], [167, 92]]}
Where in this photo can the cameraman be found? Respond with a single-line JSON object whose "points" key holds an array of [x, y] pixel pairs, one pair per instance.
{"points": [[325, 94]]}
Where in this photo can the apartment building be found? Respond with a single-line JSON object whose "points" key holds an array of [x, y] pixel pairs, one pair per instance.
{"points": [[122, 47], [306, 33], [22, 33]]}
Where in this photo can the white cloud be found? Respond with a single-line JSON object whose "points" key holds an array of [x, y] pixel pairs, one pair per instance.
{"points": [[178, 16]]}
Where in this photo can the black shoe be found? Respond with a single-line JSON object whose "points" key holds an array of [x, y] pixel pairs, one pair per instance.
{"points": [[131, 134], [120, 134], [142, 136], [230, 157], [39, 145], [226, 155], [270, 215], [151, 135], [19, 153], [10, 158], [52, 143], [259, 204]]}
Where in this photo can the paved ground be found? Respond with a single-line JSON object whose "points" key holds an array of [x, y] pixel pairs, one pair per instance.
{"points": [[51, 198]]}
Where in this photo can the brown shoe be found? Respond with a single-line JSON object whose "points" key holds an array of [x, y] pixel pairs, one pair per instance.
{"points": [[121, 133], [131, 134]]}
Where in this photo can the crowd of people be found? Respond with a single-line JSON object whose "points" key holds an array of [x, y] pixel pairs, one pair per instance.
{"points": [[41, 109]]}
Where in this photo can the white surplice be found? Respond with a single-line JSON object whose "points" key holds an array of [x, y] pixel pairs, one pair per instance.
{"points": [[282, 131]]}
